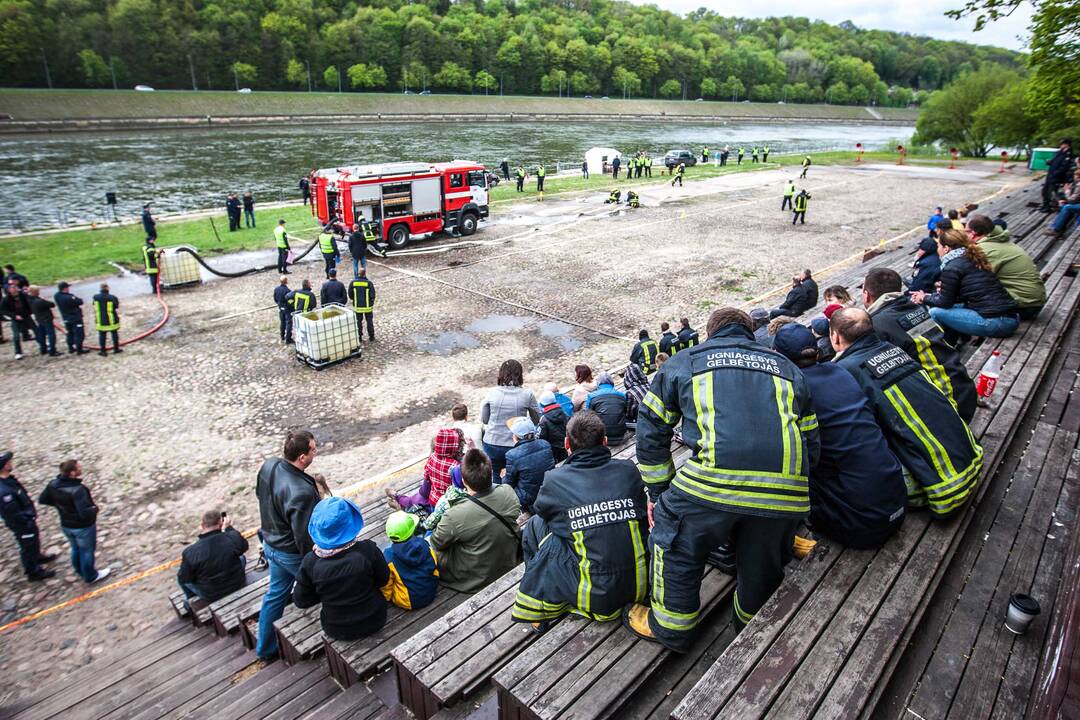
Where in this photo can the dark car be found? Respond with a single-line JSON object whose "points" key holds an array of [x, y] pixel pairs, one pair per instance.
{"points": [[674, 157]]}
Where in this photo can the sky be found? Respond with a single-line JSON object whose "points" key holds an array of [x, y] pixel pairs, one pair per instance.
{"points": [[918, 17]]}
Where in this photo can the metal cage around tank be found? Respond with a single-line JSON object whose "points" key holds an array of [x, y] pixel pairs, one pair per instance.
{"points": [[325, 336]]}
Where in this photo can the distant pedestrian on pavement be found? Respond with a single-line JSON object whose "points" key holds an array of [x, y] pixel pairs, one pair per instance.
{"points": [[20, 516], [615, 163], [249, 210], [106, 319], [287, 495], [78, 518], [357, 249], [44, 332], [585, 169], [281, 240], [70, 307], [805, 167], [505, 167], [148, 222], [15, 307]]}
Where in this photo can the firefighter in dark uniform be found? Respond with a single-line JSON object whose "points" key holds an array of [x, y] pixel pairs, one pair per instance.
{"points": [[328, 247], [541, 171], [668, 339], [362, 295], [632, 199], [688, 337], [805, 166], [281, 241], [302, 300], [107, 320], [585, 545], [746, 415], [939, 454], [20, 516], [281, 299], [613, 196], [799, 207], [644, 353], [372, 230], [148, 222], [150, 261], [520, 175], [909, 326], [678, 175]]}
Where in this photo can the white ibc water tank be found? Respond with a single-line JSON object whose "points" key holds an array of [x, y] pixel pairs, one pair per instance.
{"points": [[178, 268], [325, 335]]}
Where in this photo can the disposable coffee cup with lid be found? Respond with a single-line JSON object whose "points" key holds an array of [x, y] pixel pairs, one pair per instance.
{"points": [[1022, 610]]}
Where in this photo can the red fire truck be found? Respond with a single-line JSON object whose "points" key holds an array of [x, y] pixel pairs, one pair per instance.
{"points": [[409, 199]]}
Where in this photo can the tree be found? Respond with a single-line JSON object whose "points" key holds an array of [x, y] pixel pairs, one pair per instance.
{"points": [[296, 73], [331, 78], [244, 73], [1006, 119], [732, 88], [626, 81], [485, 81], [671, 88], [95, 70], [452, 76], [949, 114], [709, 88], [363, 76], [837, 94]]}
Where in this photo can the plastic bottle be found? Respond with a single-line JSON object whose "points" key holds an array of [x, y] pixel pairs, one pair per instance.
{"points": [[988, 376]]}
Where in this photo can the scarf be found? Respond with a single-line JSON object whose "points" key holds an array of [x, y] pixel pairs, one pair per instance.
{"points": [[324, 553], [951, 255]]}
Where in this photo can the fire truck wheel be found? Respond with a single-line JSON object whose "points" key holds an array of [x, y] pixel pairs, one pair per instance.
{"points": [[399, 237], [468, 224]]}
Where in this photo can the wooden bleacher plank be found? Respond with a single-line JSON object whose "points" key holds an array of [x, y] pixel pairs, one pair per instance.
{"points": [[176, 601], [978, 692], [299, 633], [224, 704], [355, 703], [231, 610], [310, 685], [251, 696]]}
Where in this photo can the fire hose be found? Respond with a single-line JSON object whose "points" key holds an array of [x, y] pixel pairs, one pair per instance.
{"points": [[248, 271]]}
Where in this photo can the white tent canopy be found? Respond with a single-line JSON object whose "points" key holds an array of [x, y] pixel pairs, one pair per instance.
{"points": [[599, 158]]}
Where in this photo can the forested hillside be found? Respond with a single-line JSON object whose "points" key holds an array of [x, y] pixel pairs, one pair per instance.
{"points": [[571, 47]]}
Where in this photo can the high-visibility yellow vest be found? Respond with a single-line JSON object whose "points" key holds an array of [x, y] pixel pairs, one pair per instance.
{"points": [[362, 301], [105, 317], [800, 203], [326, 243], [540, 171], [302, 300], [279, 237], [150, 259], [789, 191]]}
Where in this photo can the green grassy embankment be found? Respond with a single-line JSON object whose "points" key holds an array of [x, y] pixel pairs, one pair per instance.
{"points": [[79, 254], [128, 104]]}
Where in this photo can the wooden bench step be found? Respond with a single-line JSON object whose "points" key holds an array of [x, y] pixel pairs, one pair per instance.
{"points": [[586, 669], [230, 611], [352, 662], [299, 633]]}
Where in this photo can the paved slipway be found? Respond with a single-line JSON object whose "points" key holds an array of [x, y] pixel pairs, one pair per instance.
{"points": [[181, 422]]}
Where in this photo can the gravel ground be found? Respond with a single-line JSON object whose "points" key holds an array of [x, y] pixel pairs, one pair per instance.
{"points": [[180, 422]]}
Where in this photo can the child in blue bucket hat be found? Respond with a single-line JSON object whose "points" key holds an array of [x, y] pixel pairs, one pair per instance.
{"points": [[343, 573]]}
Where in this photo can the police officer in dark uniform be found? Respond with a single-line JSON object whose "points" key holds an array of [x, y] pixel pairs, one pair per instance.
{"points": [[20, 516], [305, 189], [150, 261], [362, 294], [645, 351], [746, 414], [281, 295], [70, 307], [909, 326]]}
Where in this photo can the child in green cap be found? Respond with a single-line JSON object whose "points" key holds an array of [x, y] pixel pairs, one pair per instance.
{"points": [[413, 573]]}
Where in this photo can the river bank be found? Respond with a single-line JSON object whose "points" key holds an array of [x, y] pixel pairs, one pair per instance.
{"points": [[35, 111]]}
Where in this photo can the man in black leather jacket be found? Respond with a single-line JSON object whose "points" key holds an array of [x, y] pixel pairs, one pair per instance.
{"points": [[287, 495]]}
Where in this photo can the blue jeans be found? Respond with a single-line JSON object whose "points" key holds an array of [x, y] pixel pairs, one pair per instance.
{"points": [[961, 320], [283, 569], [46, 337], [83, 541], [357, 263], [1065, 216], [497, 454], [249, 218]]}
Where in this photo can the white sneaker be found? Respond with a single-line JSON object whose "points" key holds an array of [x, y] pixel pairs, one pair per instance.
{"points": [[101, 575], [18, 356]]}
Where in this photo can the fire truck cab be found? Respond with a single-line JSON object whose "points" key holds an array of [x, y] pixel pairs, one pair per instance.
{"points": [[407, 199]]}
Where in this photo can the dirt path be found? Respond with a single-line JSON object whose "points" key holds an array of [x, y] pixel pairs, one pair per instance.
{"points": [[181, 422]]}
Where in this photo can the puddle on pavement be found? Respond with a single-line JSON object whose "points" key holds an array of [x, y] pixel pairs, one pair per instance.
{"points": [[561, 333], [444, 343], [498, 323]]}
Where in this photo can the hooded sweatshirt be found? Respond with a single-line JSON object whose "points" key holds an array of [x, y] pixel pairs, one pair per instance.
{"points": [[1014, 268], [440, 463], [414, 577]]}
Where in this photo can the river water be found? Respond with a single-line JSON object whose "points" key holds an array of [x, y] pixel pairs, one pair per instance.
{"points": [[53, 180]]}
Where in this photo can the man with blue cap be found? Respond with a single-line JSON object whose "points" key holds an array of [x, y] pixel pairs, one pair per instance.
{"points": [[527, 461], [343, 573], [857, 491]]}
